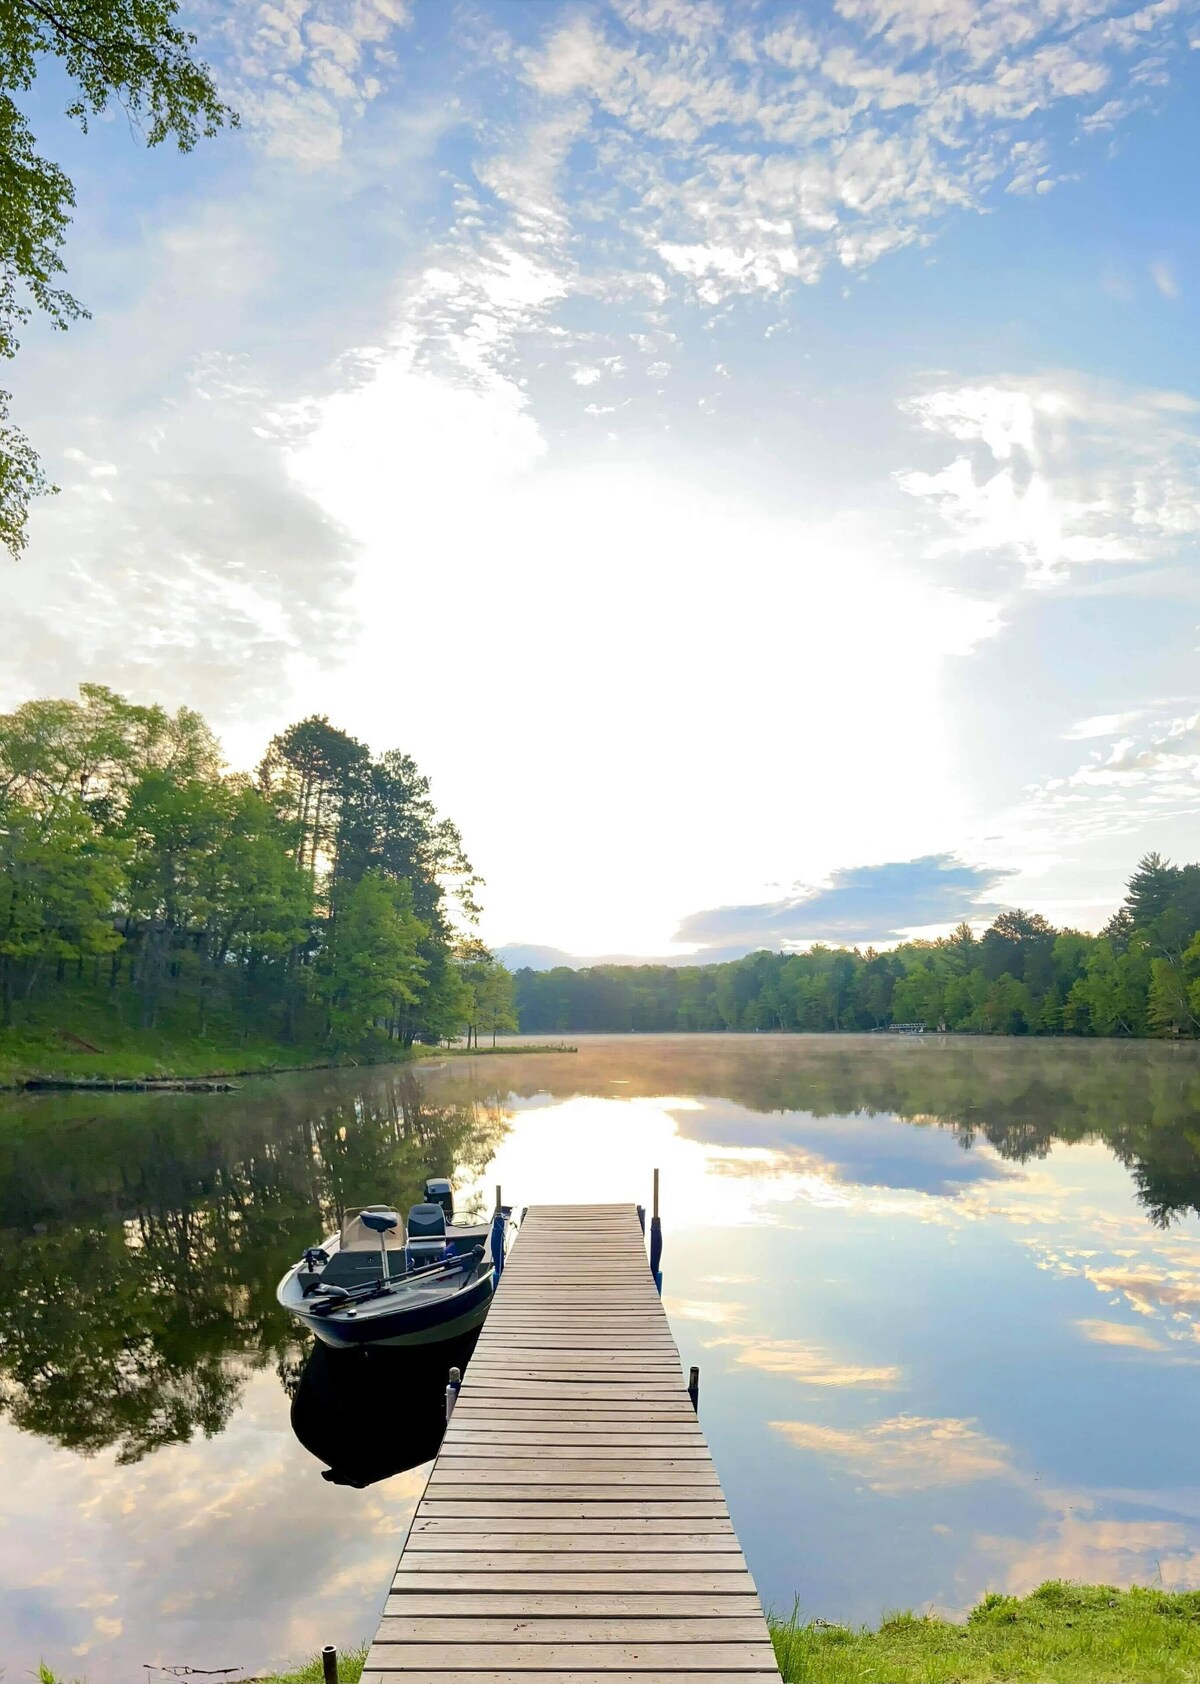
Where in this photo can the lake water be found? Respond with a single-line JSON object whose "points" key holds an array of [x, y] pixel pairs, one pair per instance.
{"points": [[944, 1295]]}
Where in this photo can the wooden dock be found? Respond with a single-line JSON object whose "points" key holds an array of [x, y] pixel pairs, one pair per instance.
{"points": [[573, 1529]]}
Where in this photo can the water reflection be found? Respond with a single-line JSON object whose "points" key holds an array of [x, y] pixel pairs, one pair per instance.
{"points": [[1020, 1097], [946, 1298], [141, 1243], [373, 1413]]}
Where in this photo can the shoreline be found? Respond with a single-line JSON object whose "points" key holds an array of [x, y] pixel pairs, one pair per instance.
{"points": [[229, 1079]]}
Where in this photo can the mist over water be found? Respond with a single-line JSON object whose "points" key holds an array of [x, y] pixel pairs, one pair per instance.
{"points": [[944, 1295]]}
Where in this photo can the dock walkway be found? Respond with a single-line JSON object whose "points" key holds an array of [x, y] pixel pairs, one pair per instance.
{"points": [[573, 1529]]}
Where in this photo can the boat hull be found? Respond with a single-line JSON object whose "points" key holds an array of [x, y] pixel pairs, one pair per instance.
{"points": [[381, 1323]]}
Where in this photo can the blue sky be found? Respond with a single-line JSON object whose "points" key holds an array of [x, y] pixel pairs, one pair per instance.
{"points": [[747, 454]]}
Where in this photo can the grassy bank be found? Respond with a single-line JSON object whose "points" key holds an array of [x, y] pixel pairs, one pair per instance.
{"points": [[312, 1671], [1061, 1634], [147, 1055], [350, 1665], [80, 1040]]}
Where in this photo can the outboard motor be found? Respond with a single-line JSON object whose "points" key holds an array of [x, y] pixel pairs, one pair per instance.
{"points": [[426, 1235], [438, 1191]]}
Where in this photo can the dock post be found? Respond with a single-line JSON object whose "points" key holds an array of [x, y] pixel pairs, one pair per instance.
{"points": [[694, 1387], [452, 1390], [329, 1664], [656, 1241]]}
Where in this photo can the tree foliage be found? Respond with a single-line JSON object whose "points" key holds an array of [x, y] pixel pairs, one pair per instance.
{"points": [[321, 901], [126, 52], [1139, 976], [371, 966]]}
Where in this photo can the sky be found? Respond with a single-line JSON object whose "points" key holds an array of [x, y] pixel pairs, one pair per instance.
{"points": [[747, 454]]}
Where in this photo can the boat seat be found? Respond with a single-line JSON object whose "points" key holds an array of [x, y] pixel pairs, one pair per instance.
{"points": [[379, 1221], [426, 1222], [426, 1236], [358, 1234]]}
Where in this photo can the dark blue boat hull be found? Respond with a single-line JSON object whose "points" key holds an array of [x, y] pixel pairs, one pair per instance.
{"points": [[383, 1322]]}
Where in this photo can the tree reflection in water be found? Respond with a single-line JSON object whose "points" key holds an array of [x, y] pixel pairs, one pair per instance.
{"points": [[141, 1239], [142, 1236], [1140, 1098]]}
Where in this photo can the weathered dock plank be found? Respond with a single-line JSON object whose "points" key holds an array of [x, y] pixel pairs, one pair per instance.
{"points": [[573, 1529]]}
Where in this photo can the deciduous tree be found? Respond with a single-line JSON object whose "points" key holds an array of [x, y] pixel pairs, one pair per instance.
{"points": [[126, 52]]}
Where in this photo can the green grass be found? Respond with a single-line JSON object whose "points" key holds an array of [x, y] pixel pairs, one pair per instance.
{"points": [[350, 1665], [312, 1671], [1061, 1634], [47, 1046]]}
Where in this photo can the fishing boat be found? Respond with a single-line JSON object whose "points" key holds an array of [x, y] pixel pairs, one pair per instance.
{"points": [[386, 1280]]}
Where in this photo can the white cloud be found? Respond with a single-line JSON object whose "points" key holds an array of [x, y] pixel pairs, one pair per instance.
{"points": [[752, 154], [1119, 1334], [1060, 472], [1076, 1543], [1100, 725], [808, 1365], [304, 68], [906, 1453], [1149, 769]]}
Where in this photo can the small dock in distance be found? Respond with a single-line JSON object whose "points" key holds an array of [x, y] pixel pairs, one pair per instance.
{"points": [[573, 1529]]}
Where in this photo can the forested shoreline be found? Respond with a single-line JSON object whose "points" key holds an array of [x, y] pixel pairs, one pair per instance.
{"points": [[1140, 976], [321, 903]]}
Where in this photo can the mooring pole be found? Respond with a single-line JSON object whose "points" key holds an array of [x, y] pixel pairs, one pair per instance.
{"points": [[656, 1241], [452, 1389], [694, 1387], [329, 1664]]}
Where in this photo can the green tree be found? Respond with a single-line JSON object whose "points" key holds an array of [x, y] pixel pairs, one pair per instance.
{"points": [[371, 968], [1017, 943], [1150, 890], [175, 828], [493, 1004], [920, 995], [1115, 987], [93, 750], [308, 771], [963, 1000], [128, 52], [1007, 1007], [58, 881], [1169, 1008]]}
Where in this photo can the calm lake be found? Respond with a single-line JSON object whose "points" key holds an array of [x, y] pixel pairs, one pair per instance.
{"points": [[944, 1295]]}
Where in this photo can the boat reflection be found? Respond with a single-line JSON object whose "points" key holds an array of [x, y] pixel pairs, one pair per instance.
{"points": [[371, 1413]]}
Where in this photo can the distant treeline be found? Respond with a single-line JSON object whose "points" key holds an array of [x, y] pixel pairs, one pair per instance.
{"points": [[312, 901], [1139, 976]]}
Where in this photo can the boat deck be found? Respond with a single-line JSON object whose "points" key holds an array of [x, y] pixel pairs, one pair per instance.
{"points": [[573, 1529]]}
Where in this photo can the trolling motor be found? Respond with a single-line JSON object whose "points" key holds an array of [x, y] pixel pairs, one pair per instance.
{"points": [[315, 1259]]}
